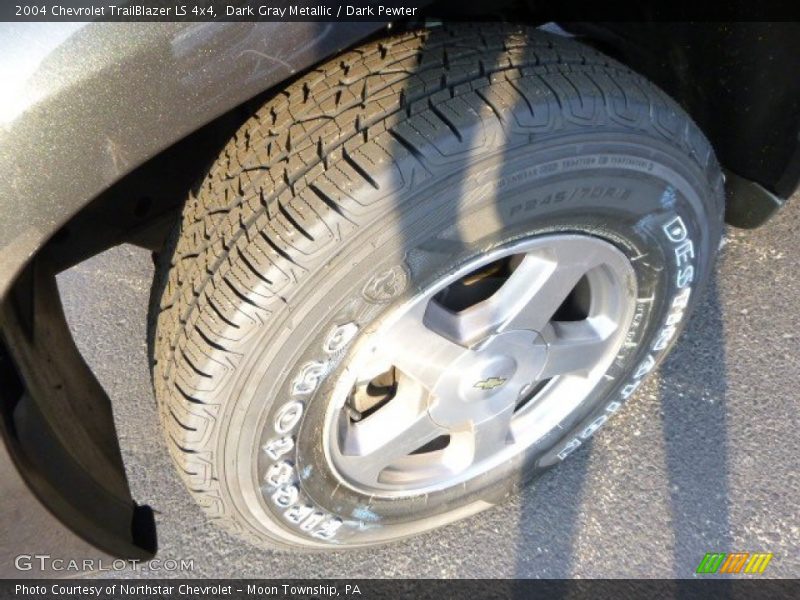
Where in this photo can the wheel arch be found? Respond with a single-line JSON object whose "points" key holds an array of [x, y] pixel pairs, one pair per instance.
{"points": [[100, 115], [731, 78]]}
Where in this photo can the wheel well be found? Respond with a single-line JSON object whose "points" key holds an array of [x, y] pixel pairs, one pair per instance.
{"points": [[141, 207], [57, 425], [731, 78]]}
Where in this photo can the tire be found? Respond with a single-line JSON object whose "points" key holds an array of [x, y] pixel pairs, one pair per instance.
{"points": [[360, 186]]}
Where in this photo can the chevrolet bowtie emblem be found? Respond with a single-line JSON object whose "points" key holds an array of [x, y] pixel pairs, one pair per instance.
{"points": [[490, 384]]}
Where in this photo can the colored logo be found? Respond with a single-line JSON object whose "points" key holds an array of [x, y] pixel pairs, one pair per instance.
{"points": [[490, 384], [734, 562]]}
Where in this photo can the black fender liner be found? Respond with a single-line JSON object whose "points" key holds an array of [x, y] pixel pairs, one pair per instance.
{"points": [[57, 424]]}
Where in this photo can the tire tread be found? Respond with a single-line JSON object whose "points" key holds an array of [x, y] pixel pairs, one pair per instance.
{"points": [[277, 200]]}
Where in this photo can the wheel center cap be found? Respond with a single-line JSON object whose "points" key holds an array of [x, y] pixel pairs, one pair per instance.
{"points": [[490, 383], [487, 380]]}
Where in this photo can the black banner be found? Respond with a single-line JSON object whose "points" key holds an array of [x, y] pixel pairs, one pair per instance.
{"points": [[419, 589], [386, 11]]}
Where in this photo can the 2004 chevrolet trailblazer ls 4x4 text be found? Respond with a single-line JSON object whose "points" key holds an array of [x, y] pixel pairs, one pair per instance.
{"points": [[395, 282]]}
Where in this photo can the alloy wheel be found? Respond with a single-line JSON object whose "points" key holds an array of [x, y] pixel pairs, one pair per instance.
{"points": [[480, 365]]}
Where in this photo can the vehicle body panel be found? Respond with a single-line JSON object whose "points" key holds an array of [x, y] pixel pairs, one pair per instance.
{"points": [[81, 105]]}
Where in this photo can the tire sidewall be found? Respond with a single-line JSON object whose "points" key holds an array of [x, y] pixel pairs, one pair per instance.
{"points": [[631, 191]]}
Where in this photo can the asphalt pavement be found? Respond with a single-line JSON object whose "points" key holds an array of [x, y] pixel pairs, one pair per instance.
{"points": [[705, 458]]}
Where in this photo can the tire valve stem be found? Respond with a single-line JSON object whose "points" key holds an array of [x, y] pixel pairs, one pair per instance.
{"points": [[353, 414]]}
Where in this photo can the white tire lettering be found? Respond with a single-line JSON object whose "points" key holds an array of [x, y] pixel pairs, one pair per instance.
{"points": [[295, 514], [288, 416], [571, 446], [684, 253], [279, 474], [629, 389], [685, 277], [285, 496], [328, 529], [677, 233], [682, 299], [594, 426], [312, 521], [339, 338], [645, 367], [278, 447], [309, 377], [676, 230]]}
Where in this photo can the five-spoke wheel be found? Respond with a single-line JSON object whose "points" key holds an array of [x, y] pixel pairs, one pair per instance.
{"points": [[481, 364]]}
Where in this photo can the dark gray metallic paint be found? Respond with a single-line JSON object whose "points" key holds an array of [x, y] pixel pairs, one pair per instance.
{"points": [[81, 105]]}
